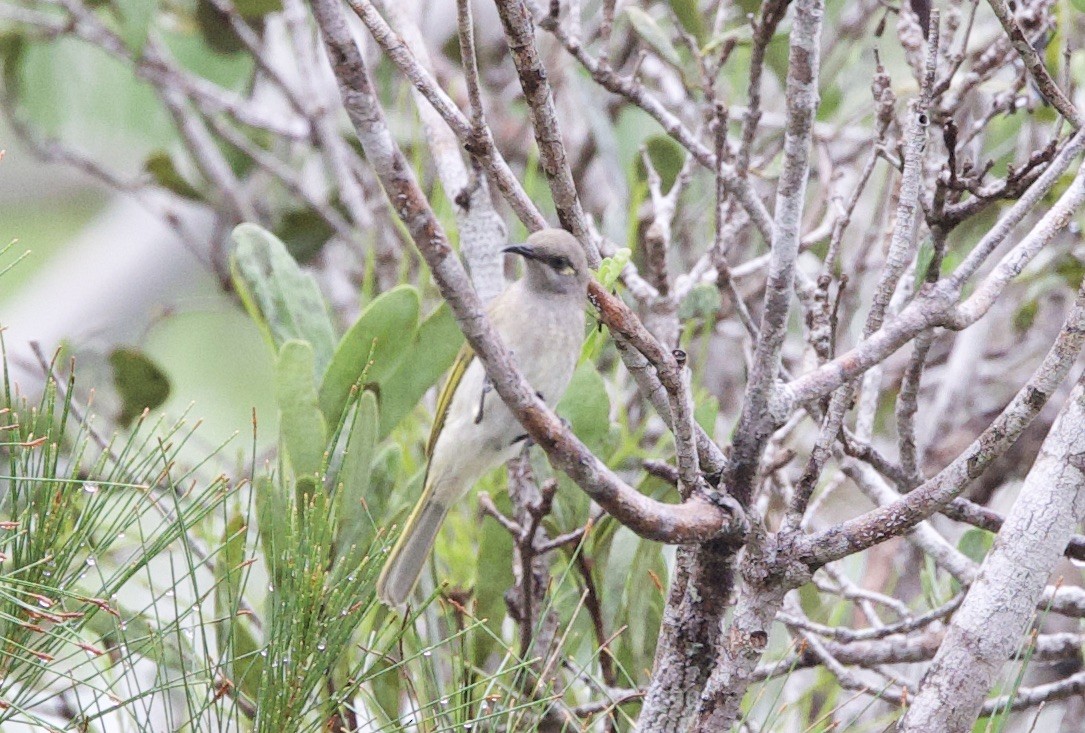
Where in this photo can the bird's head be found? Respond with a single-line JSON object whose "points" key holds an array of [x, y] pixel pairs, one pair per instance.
{"points": [[554, 262]]}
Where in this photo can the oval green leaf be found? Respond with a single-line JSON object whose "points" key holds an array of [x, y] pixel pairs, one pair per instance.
{"points": [[302, 428], [283, 300], [430, 355], [140, 383], [371, 350]]}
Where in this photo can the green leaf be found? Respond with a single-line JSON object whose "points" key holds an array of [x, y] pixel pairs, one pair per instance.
{"points": [[667, 158], [587, 407], [810, 600], [165, 174], [192, 44], [274, 518], [302, 428], [1002, 134], [371, 350], [928, 582], [139, 637], [610, 269], [384, 481], [923, 259], [247, 664], [257, 8], [140, 383], [240, 162], [777, 55], [1071, 270], [741, 36], [214, 27], [975, 543], [620, 567], [706, 411], [355, 513], [649, 29], [430, 355], [283, 300], [703, 301], [634, 573], [228, 570], [1026, 315], [135, 18], [1051, 45], [494, 577], [689, 15], [305, 232], [386, 683], [640, 609], [13, 45], [831, 96], [244, 663]]}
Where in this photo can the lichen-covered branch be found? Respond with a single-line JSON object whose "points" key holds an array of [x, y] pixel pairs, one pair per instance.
{"points": [[1001, 603]]}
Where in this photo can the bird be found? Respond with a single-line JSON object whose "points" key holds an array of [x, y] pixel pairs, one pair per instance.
{"points": [[540, 319]]}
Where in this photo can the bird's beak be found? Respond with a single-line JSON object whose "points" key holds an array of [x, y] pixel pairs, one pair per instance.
{"points": [[520, 249]]}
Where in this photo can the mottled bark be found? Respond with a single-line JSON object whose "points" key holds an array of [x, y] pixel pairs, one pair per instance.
{"points": [[1002, 601]]}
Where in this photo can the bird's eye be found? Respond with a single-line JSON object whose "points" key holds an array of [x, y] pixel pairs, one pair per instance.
{"points": [[562, 265]]}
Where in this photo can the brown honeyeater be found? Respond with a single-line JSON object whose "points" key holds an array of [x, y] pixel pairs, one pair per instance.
{"points": [[540, 319]]}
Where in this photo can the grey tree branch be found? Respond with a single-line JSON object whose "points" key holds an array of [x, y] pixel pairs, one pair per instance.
{"points": [[1035, 65], [755, 423], [519, 28], [764, 583], [935, 304], [907, 649], [478, 142], [482, 233], [894, 519], [902, 250], [1002, 601], [630, 89]]}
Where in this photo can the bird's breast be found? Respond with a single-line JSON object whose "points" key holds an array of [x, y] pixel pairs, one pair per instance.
{"points": [[480, 432]]}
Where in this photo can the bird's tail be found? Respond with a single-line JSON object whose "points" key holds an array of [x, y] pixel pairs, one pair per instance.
{"points": [[409, 554]]}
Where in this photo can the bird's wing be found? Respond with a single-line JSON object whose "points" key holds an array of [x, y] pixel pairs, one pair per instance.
{"points": [[444, 398], [500, 312]]}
